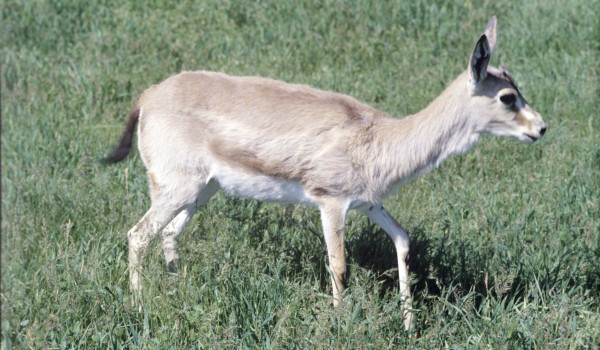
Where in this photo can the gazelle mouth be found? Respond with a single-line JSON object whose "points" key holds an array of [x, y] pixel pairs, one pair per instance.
{"points": [[531, 138]]}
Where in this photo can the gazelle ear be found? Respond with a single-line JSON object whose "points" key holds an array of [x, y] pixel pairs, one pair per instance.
{"points": [[480, 58]]}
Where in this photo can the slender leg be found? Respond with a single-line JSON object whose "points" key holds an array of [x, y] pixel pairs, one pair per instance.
{"points": [[139, 237], [333, 216], [169, 237], [169, 198], [176, 226], [381, 217]]}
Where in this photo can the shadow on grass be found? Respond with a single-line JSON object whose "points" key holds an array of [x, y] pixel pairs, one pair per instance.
{"points": [[442, 264], [373, 249], [436, 264], [451, 267], [432, 263], [301, 244]]}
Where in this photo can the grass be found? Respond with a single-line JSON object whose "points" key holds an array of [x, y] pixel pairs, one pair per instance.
{"points": [[505, 240]]}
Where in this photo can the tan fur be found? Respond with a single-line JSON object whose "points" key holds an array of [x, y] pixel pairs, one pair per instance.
{"points": [[269, 140]]}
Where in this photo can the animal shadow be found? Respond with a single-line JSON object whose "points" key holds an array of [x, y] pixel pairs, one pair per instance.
{"points": [[371, 248]]}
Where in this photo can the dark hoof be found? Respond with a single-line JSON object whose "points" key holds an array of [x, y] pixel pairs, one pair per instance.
{"points": [[173, 266]]}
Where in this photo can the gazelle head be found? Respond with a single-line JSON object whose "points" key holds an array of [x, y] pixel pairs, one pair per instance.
{"points": [[507, 113]]}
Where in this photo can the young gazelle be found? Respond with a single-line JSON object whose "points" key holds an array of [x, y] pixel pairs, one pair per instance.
{"points": [[268, 140]]}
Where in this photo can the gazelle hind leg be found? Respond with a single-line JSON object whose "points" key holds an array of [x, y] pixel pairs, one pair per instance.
{"points": [[171, 232], [381, 217], [169, 237], [168, 200], [333, 216], [139, 238]]}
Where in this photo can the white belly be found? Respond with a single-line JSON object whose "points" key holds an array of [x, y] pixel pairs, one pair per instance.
{"points": [[263, 188]]}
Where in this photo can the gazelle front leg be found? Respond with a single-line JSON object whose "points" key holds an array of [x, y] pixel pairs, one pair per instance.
{"points": [[333, 217], [381, 217]]}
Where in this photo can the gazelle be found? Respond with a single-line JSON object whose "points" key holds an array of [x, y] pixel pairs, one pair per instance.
{"points": [[269, 140]]}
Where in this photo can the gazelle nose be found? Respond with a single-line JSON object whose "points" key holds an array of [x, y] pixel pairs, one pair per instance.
{"points": [[543, 130]]}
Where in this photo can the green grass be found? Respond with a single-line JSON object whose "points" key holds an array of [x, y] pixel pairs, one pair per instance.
{"points": [[505, 240]]}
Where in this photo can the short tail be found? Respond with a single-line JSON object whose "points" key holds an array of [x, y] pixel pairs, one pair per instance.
{"points": [[124, 147]]}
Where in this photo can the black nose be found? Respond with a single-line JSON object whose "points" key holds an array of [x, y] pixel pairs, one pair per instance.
{"points": [[543, 131]]}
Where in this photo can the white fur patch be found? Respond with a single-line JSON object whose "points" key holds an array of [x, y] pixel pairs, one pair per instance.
{"points": [[262, 187]]}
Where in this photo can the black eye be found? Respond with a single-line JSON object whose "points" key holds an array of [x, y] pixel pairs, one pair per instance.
{"points": [[508, 99]]}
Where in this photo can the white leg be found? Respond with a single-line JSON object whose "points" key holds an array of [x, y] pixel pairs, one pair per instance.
{"points": [[333, 216], [176, 226], [381, 217], [139, 238], [169, 237], [169, 198]]}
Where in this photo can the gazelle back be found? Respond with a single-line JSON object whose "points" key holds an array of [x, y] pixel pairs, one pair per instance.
{"points": [[269, 140]]}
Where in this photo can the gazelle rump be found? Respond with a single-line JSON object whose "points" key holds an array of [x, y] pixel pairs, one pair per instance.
{"points": [[269, 140]]}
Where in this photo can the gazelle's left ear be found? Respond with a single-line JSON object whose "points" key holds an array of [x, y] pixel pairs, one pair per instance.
{"points": [[480, 58]]}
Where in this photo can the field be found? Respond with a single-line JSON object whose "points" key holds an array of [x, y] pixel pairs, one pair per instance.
{"points": [[505, 239]]}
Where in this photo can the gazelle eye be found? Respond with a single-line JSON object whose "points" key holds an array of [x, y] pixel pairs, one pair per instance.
{"points": [[508, 99]]}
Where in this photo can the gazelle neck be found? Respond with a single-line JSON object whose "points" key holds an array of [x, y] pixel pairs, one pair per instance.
{"points": [[420, 142]]}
